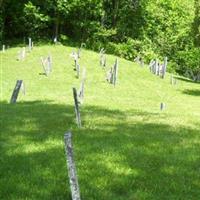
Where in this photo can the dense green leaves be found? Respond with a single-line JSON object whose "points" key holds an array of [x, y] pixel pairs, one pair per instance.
{"points": [[161, 27]]}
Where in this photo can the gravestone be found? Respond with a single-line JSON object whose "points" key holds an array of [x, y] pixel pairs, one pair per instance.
{"points": [[29, 44], [151, 65], [55, 40], [22, 54], [158, 69], [162, 106], [3, 48], [76, 107], [79, 53], [73, 180], [104, 61], [102, 57], [16, 91], [47, 65], [77, 70], [164, 67], [115, 72], [109, 76], [173, 80]]}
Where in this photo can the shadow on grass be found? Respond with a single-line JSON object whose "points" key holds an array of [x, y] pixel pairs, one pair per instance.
{"points": [[192, 92], [186, 80], [117, 156]]}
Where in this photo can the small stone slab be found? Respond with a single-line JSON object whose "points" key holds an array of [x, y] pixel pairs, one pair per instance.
{"points": [[162, 106], [73, 180]]}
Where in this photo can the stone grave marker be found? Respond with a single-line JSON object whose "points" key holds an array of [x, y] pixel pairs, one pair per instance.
{"points": [[76, 106], [22, 54], [102, 57], [73, 180], [47, 65], [115, 72], [16, 90], [164, 68], [55, 40], [173, 80], [109, 75], [3, 48], [104, 61], [29, 44], [79, 53], [77, 70], [162, 106]]}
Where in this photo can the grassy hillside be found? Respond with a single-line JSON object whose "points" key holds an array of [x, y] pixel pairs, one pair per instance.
{"points": [[126, 149]]}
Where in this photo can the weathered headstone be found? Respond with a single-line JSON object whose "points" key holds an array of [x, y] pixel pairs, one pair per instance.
{"points": [[73, 180], [164, 68], [77, 70], [79, 53], [173, 80], [76, 106], [16, 91], [55, 40], [49, 63], [109, 75], [44, 61], [29, 44], [162, 106], [104, 61], [22, 54], [3, 48], [115, 72], [102, 57]]}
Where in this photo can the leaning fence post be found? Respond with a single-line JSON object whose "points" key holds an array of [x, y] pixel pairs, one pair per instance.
{"points": [[71, 167]]}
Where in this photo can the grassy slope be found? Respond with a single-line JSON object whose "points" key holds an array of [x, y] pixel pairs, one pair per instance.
{"points": [[127, 148]]}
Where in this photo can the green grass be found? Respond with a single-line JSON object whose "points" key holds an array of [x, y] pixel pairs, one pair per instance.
{"points": [[126, 149]]}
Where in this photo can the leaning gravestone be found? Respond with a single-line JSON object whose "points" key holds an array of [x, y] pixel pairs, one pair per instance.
{"points": [[76, 107], [16, 90], [164, 68], [73, 180], [47, 64]]}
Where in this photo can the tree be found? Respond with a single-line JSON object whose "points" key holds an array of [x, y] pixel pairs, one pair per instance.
{"points": [[196, 24]]}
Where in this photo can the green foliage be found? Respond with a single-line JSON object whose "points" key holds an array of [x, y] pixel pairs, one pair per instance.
{"points": [[162, 27], [34, 21], [189, 60], [196, 24]]}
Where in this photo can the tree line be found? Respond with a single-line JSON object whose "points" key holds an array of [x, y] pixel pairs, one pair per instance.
{"points": [[127, 28]]}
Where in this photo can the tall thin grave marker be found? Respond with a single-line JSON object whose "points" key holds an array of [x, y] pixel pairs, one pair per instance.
{"points": [[73, 180], [76, 107], [16, 91]]}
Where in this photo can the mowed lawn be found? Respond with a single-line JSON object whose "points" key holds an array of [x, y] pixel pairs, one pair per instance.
{"points": [[127, 148]]}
